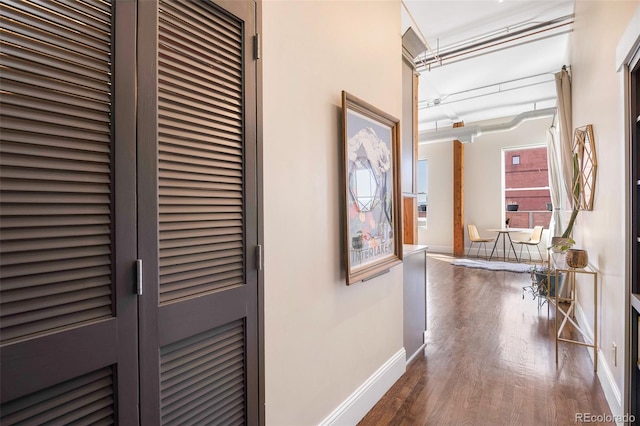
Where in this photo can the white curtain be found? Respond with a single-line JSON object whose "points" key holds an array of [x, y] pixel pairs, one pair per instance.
{"points": [[555, 183], [563, 91]]}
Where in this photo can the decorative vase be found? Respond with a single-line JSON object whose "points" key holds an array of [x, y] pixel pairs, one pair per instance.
{"points": [[576, 258]]}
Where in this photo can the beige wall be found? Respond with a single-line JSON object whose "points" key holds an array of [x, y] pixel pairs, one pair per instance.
{"points": [[598, 100], [322, 338], [483, 204]]}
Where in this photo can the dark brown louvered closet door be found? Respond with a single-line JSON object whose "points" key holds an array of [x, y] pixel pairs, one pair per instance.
{"points": [[198, 210], [68, 312]]}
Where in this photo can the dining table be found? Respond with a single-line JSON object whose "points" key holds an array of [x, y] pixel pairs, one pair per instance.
{"points": [[505, 234]]}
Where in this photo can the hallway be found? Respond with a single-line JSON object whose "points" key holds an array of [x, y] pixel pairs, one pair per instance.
{"points": [[489, 359]]}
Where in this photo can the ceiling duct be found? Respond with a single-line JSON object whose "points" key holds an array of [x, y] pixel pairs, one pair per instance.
{"points": [[412, 44], [467, 134]]}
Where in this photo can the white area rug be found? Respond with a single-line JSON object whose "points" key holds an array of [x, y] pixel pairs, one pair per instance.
{"points": [[493, 265]]}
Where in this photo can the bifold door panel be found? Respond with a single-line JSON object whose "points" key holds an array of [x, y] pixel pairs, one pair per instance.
{"points": [[128, 132]]}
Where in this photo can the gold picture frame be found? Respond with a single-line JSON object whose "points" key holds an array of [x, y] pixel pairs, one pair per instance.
{"points": [[584, 153], [371, 187]]}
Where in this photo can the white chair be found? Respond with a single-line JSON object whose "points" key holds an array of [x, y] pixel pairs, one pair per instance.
{"points": [[474, 237], [534, 240]]}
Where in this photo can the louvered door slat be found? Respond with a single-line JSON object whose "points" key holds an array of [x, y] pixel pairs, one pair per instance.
{"points": [[17, 258], [191, 123], [52, 403], [39, 162], [68, 119], [201, 241], [25, 246], [196, 235], [203, 376], [56, 191], [35, 14], [57, 300], [26, 281], [41, 129], [196, 150], [20, 89], [204, 382], [221, 44], [45, 186], [53, 232], [217, 77], [224, 30], [97, 14], [185, 288], [219, 82], [69, 29], [56, 313], [212, 184], [207, 363], [52, 175], [54, 266], [198, 217], [212, 260], [52, 289], [22, 62], [31, 222], [43, 82], [205, 402], [171, 161], [192, 103], [19, 35], [34, 62], [172, 256], [97, 417], [19, 103], [175, 225], [201, 201], [229, 137], [175, 256], [199, 269], [79, 414], [177, 356], [170, 210], [55, 318], [35, 209], [202, 52]]}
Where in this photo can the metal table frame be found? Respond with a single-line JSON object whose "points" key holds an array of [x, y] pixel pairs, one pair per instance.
{"points": [[568, 315], [502, 232]]}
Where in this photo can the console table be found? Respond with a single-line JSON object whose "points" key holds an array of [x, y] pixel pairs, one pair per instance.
{"points": [[567, 315]]}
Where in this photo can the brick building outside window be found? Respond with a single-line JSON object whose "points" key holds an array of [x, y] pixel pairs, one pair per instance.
{"points": [[526, 184]]}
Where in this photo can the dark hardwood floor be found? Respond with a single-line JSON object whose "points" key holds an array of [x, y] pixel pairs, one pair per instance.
{"points": [[489, 359]]}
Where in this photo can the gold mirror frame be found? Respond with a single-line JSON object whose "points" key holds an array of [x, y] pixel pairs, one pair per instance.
{"points": [[584, 154]]}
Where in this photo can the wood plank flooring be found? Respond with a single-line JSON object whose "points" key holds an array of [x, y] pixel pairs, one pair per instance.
{"points": [[489, 359]]}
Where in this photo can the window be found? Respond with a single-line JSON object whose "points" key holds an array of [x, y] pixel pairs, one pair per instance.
{"points": [[527, 199], [422, 193]]}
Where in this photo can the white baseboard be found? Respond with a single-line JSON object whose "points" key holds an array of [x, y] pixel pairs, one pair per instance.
{"points": [[424, 337], [609, 387], [416, 353], [358, 404]]}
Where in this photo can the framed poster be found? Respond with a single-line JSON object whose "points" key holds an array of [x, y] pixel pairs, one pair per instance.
{"points": [[371, 178]]}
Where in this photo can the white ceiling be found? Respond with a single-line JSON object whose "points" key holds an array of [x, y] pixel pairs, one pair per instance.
{"points": [[510, 71]]}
